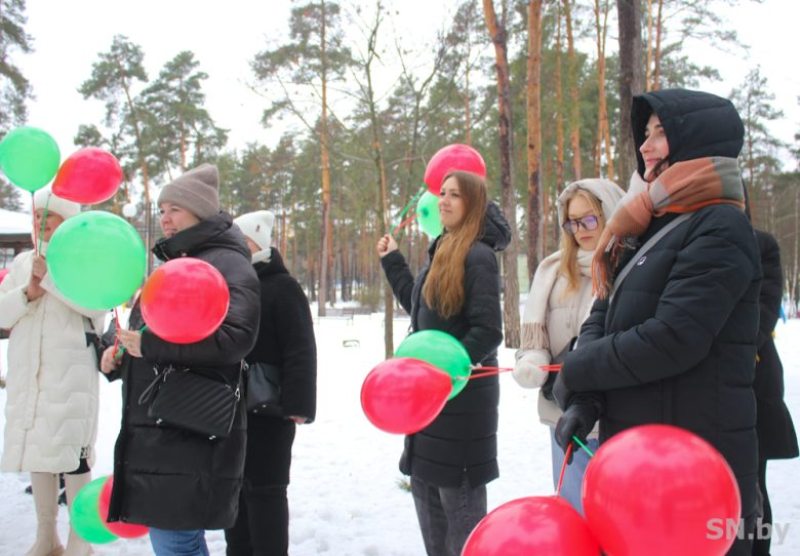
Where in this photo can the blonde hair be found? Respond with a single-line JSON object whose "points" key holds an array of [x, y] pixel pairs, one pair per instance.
{"points": [[569, 246], [444, 286]]}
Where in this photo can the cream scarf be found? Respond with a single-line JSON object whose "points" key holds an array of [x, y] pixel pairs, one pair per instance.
{"points": [[534, 318]]}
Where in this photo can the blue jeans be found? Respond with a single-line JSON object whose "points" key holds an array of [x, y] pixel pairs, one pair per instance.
{"points": [[573, 476], [167, 542], [447, 515]]}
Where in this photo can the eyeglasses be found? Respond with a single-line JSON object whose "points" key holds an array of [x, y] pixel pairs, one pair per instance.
{"points": [[588, 223]]}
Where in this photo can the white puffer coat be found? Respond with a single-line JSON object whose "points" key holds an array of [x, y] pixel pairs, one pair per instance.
{"points": [[52, 378]]}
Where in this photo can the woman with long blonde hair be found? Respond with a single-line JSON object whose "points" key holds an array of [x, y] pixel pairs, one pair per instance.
{"points": [[559, 300], [452, 459]]}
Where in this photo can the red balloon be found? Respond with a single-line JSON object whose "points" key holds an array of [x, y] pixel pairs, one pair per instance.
{"points": [[541, 525], [403, 395], [660, 490], [119, 528], [449, 158], [88, 176], [185, 300], [3, 274]]}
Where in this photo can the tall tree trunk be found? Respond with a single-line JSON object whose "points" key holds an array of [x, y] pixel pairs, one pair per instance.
{"points": [[603, 134], [497, 32], [326, 250], [657, 61], [559, 110], [534, 150], [630, 80], [574, 95], [380, 167], [648, 78]]}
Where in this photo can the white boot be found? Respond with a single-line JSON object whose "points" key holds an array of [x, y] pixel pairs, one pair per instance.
{"points": [[45, 499], [76, 546]]}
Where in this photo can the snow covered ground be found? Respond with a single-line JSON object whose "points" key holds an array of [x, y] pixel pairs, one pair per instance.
{"points": [[345, 497]]}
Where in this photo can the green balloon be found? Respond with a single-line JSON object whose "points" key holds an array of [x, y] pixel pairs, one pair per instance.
{"points": [[441, 350], [84, 515], [29, 157], [428, 214], [97, 260]]}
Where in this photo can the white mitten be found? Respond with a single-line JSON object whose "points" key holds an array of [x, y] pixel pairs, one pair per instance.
{"points": [[526, 370]]}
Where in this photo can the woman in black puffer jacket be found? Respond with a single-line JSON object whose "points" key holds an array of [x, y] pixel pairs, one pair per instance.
{"points": [[452, 459], [286, 342], [177, 482], [676, 342]]}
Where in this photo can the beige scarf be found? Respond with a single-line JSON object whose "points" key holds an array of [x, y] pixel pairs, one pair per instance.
{"points": [[534, 318]]}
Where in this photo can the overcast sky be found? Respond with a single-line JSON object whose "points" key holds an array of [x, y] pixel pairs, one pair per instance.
{"points": [[225, 36]]}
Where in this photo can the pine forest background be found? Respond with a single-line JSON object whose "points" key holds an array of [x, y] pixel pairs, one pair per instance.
{"points": [[536, 86]]}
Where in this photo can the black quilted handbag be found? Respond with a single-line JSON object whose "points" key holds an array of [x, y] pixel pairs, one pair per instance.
{"points": [[190, 400]]}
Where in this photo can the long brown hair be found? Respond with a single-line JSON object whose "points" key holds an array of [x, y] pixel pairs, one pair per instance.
{"points": [[444, 286], [569, 246]]}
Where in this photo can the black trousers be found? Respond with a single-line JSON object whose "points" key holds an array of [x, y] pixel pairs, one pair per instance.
{"points": [[262, 525]]}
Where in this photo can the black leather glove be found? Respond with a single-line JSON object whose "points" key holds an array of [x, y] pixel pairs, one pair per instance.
{"points": [[578, 420]]}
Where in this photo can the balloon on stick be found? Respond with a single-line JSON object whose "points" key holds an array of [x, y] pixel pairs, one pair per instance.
{"points": [[450, 158], [118, 528], [441, 350], [97, 259], [541, 525], [88, 176], [84, 515], [403, 395], [658, 490], [29, 157], [185, 300], [428, 214]]}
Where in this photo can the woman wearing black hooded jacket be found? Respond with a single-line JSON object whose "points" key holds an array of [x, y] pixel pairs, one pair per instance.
{"points": [[177, 482], [452, 459], [675, 343]]}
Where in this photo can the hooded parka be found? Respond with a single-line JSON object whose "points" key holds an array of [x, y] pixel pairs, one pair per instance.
{"points": [[677, 345], [463, 438], [167, 477]]}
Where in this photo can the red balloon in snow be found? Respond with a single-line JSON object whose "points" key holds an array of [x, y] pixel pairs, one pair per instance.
{"points": [[660, 490], [88, 176], [185, 300], [450, 158], [541, 525], [3, 274], [403, 395], [119, 528]]}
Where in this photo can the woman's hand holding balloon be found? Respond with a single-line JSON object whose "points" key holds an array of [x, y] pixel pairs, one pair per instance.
{"points": [[132, 341], [386, 245]]}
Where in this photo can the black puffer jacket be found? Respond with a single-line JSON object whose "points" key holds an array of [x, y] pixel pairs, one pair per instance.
{"points": [[678, 343], [777, 438], [286, 337], [166, 477], [463, 438]]}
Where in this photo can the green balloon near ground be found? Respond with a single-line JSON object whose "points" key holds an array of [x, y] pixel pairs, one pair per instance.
{"points": [[428, 214], [84, 515], [97, 260], [29, 157], [441, 350]]}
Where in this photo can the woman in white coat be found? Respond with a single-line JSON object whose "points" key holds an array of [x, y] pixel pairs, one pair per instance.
{"points": [[559, 301], [52, 381]]}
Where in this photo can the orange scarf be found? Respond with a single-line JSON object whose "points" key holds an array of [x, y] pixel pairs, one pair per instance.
{"points": [[683, 187]]}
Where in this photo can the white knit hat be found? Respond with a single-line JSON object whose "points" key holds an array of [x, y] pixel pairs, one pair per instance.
{"points": [[45, 198], [257, 226]]}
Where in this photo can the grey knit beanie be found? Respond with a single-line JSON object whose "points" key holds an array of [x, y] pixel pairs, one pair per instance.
{"points": [[196, 191]]}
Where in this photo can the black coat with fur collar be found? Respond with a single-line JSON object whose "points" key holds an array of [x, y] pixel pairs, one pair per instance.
{"points": [[463, 438]]}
